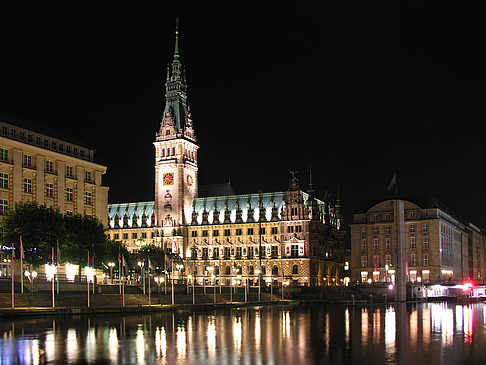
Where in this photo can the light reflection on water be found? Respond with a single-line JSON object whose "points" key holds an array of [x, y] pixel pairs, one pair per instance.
{"points": [[432, 333]]}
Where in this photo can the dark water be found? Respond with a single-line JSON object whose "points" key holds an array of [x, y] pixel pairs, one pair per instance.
{"points": [[431, 333]]}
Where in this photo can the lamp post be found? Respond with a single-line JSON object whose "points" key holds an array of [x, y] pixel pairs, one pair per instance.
{"points": [[142, 275], [259, 284], [111, 264], [31, 276]]}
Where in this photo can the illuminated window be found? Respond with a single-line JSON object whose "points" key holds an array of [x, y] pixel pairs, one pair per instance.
{"points": [[375, 230], [425, 227], [193, 233], [388, 260], [376, 245], [387, 243], [426, 259], [376, 260], [205, 233], [426, 274], [387, 230], [215, 233], [134, 235], [238, 231], [88, 176], [364, 276], [295, 270], [364, 261], [144, 234], [116, 236], [274, 230], [125, 236], [250, 231], [364, 245], [425, 241], [412, 228]]}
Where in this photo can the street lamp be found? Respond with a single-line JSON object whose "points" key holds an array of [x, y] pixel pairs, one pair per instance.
{"points": [[111, 264]]}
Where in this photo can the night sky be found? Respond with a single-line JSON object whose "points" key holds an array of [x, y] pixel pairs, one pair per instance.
{"points": [[356, 91]]}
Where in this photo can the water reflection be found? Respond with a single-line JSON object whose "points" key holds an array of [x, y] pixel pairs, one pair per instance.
{"points": [[413, 334]]}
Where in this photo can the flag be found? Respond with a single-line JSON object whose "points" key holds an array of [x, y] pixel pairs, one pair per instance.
{"points": [[58, 253], [393, 183], [21, 249]]}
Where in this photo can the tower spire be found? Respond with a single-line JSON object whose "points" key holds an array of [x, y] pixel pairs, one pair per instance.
{"points": [[311, 186]]}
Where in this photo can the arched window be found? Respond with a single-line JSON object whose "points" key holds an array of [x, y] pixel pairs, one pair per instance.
{"points": [[264, 270], [251, 270], [295, 269], [228, 270], [275, 270], [239, 270]]}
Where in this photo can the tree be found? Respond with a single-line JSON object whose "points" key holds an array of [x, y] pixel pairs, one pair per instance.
{"points": [[39, 226], [84, 233]]}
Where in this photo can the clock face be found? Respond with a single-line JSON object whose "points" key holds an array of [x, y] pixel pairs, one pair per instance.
{"points": [[168, 178], [189, 180]]}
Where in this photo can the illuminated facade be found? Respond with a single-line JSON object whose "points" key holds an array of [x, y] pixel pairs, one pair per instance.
{"points": [[39, 165], [288, 236], [439, 246], [36, 165]]}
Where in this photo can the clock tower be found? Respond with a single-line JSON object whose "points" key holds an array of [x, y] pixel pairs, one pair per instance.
{"points": [[175, 158]]}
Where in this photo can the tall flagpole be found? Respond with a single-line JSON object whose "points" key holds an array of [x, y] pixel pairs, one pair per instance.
{"points": [[53, 278], [87, 280], [12, 267], [21, 266], [58, 253]]}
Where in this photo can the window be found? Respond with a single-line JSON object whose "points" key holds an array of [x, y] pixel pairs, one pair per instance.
{"points": [[215, 253], [295, 270], [251, 270], [215, 233], [387, 243], [125, 236], [27, 161], [61, 147], [363, 231], [204, 252], [387, 230], [53, 145], [238, 252], [387, 216], [238, 231], [144, 234], [412, 215], [68, 149], [49, 190], [275, 270], [3, 206], [69, 194], [69, 171], [274, 230], [134, 235], [30, 138], [38, 140], [250, 252], [227, 252], [388, 260], [364, 245], [205, 233], [4, 130], [250, 231], [364, 261], [274, 251], [426, 259], [3, 180], [412, 228], [87, 198], [294, 250], [375, 230], [376, 261], [193, 233], [413, 242], [376, 245], [46, 143], [88, 176], [49, 166], [413, 259], [3, 154], [298, 229], [228, 270], [75, 151], [28, 186], [425, 227], [425, 241], [227, 232], [262, 230], [116, 236], [290, 229]]}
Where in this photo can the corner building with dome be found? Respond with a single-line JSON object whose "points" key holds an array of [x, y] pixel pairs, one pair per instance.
{"points": [[289, 237]]}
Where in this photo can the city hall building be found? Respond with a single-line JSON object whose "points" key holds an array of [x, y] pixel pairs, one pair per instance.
{"points": [[288, 236]]}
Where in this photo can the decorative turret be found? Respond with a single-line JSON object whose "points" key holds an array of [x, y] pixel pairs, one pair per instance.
{"points": [[338, 212], [176, 118], [312, 207]]}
